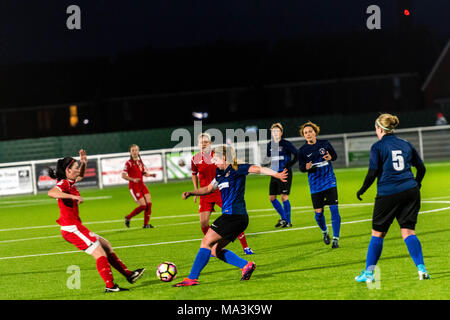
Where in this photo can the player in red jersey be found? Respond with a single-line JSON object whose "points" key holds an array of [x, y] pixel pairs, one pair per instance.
{"points": [[134, 172], [202, 165], [67, 174]]}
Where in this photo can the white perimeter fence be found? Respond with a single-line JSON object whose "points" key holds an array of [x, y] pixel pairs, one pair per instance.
{"points": [[31, 177]]}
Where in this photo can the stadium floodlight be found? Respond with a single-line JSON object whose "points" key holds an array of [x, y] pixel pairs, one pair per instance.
{"points": [[200, 115]]}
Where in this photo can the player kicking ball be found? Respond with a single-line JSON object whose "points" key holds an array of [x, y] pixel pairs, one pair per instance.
{"points": [[202, 165], [230, 180], [67, 174]]}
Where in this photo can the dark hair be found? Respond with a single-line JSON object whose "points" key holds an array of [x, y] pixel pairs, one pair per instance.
{"points": [[61, 166]]}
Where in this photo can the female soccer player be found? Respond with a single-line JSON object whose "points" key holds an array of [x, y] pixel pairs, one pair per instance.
{"points": [[283, 155], [203, 166], [230, 180], [398, 195], [67, 173], [315, 157], [134, 171]]}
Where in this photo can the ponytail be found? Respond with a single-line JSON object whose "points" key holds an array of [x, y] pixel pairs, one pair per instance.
{"points": [[60, 172], [387, 122]]}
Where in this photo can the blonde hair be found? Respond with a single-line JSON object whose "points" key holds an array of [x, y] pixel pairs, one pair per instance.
{"points": [[277, 125], [230, 155], [204, 135], [387, 122], [311, 124]]}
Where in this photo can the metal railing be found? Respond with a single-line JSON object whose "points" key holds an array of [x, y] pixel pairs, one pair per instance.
{"points": [[432, 143]]}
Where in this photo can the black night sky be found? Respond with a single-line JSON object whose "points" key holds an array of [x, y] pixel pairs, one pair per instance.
{"points": [[157, 49], [36, 30]]}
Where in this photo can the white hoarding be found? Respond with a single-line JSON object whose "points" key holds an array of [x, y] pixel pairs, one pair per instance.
{"points": [[112, 169], [15, 180]]}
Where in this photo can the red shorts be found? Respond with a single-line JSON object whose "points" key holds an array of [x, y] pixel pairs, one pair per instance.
{"points": [[207, 204], [80, 237], [138, 191]]}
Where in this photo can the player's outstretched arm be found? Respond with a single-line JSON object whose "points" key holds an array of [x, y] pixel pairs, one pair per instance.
{"points": [[200, 192], [58, 194], [269, 172], [83, 160]]}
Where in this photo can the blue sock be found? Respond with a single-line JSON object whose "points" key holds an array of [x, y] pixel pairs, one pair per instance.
{"points": [[201, 260], [415, 249], [335, 220], [374, 252], [277, 205], [232, 258], [320, 218], [287, 210]]}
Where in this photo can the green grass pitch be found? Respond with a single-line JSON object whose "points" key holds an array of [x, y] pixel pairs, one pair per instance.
{"points": [[291, 263]]}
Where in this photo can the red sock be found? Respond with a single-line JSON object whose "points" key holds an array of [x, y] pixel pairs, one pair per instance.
{"points": [[147, 213], [136, 211], [105, 271], [118, 265], [205, 229], [243, 240]]}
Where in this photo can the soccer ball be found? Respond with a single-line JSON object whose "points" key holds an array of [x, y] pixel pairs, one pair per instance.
{"points": [[181, 163], [166, 271]]}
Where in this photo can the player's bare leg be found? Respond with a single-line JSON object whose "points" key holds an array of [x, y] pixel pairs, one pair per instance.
{"points": [[204, 221]]}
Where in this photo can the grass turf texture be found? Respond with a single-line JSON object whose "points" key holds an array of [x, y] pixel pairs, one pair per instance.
{"points": [[291, 263]]}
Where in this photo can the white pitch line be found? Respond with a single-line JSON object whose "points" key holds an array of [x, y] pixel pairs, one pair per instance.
{"points": [[37, 202], [132, 228], [175, 216], [199, 239], [437, 198]]}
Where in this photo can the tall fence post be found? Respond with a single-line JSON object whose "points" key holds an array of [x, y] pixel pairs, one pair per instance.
{"points": [[164, 163], [100, 173], [420, 143], [33, 177], [347, 161]]}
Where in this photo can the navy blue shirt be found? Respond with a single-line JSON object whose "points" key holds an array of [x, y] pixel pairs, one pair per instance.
{"points": [[392, 158], [321, 175], [231, 184], [282, 155]]}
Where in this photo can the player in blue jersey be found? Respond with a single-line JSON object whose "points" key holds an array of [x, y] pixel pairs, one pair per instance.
{"points": [[315, 157], [283, 155], [398, 194], [230, 180]]}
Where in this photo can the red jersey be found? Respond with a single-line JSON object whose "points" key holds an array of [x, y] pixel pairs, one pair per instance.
{"points": [[68, 208], [202, 165], [135, 169]]}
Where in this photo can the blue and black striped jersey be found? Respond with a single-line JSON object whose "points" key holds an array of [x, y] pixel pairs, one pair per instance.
{"points": [[282, 155], [392, 157], [321, 176], [231, 184]]}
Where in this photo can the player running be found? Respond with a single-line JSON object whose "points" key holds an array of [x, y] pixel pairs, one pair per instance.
{"points": [[203, 166], [315, 157], [283, 155], [230, 180], [398, 194], [67, 173], [134, 172]]}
